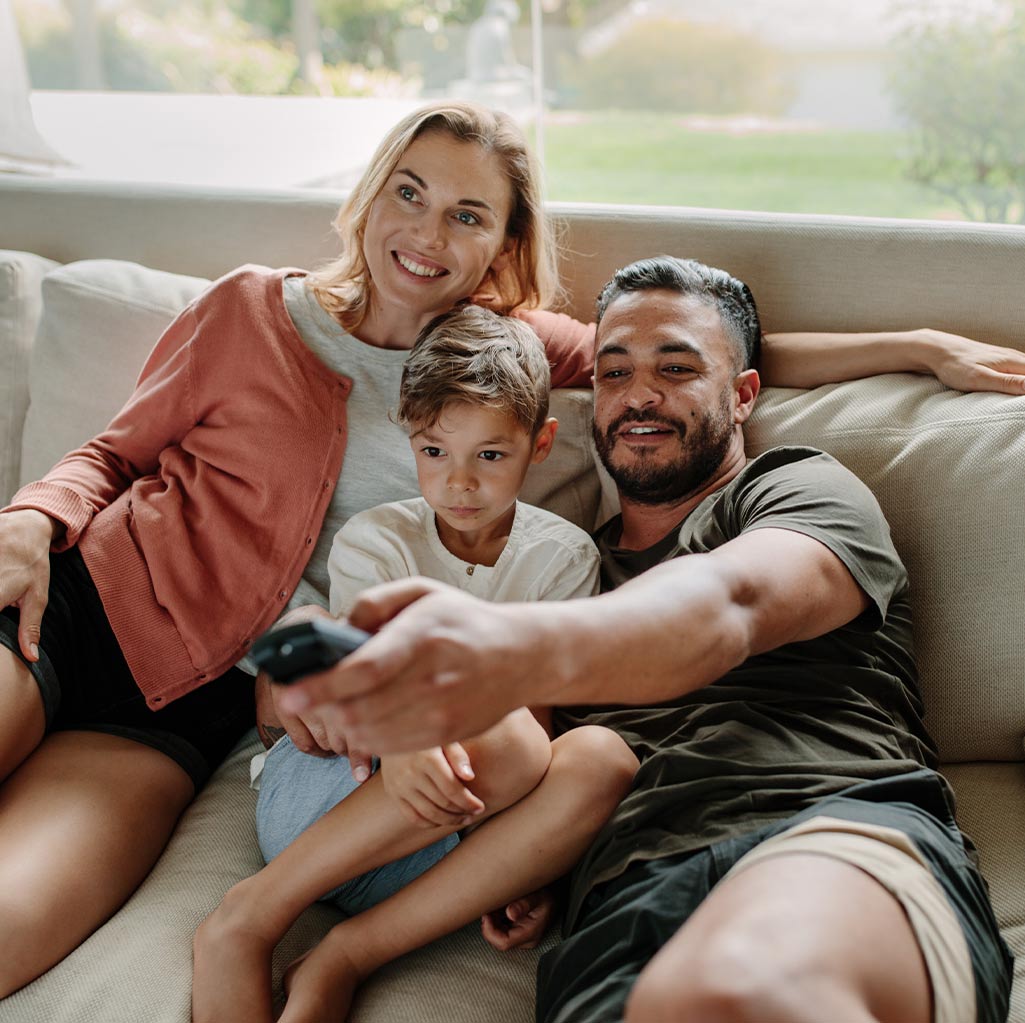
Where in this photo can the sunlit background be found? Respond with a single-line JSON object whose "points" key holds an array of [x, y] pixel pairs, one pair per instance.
{"points": [[906, 108]]}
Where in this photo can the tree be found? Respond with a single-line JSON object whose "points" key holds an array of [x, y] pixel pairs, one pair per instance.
{"points": [[961, 86]]}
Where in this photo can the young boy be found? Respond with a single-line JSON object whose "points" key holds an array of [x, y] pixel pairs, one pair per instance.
{"points": [[389, 852]]}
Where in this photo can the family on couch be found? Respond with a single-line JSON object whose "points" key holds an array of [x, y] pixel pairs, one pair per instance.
{"points": [[207, 507]]}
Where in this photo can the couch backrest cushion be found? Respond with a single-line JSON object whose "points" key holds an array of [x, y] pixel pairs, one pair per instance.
{"points": [[100, 320], [20, 306], [949, 472]]}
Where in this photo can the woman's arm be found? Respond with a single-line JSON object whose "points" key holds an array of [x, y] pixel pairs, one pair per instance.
{"points": [[811, 359]]}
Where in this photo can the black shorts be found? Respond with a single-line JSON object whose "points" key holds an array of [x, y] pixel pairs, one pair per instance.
{"points": [[87, 686], [624, 922]]}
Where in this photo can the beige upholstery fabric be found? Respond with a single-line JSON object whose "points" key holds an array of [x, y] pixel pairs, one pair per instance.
{"points": [[20, 306], [947, 469], [100, 320]]}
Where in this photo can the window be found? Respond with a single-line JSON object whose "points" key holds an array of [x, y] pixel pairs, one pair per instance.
{"points": [[907, 108]]}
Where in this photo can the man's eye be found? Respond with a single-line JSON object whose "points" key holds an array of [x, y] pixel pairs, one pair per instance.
{"points": [[614, 374], [465, 217], [491, 456], [677, 370]]}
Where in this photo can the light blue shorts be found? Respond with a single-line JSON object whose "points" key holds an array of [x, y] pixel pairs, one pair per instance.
{"points": [[295, 790]]}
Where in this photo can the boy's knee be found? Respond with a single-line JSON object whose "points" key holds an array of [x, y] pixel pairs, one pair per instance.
{"points": [[599, 759], [509, 760]]}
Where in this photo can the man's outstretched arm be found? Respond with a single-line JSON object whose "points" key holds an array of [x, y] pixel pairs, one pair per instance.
{"points": [[447, 665]]}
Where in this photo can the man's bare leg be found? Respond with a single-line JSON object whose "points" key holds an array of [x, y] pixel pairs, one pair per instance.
{"points": [[233, 946], [82, 821], [524, 848], [796, 938]]}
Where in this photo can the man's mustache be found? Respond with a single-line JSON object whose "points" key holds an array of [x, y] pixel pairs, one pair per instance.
{"points": [[643, 418]]}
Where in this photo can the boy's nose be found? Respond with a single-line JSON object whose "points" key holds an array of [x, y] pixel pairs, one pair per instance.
{"points": [[461, 479]]}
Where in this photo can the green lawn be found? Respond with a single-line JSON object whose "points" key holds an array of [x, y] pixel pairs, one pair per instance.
{"points": [[654, 159]]}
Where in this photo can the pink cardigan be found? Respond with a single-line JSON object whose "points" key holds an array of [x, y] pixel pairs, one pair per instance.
{"points": [[197, 509]]}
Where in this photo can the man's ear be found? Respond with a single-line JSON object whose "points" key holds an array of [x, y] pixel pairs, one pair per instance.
{"points": [[544, 440], [746, 386]]}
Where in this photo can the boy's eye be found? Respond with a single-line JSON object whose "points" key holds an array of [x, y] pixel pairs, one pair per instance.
{"points": [[465, 217], [432, 452], [491, 456]]}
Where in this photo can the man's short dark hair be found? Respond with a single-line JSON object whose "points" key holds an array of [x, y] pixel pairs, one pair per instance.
{"points": [[731, 297]]}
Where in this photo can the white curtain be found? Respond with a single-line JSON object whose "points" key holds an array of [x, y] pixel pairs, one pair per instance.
{"points": [[22, 148]]}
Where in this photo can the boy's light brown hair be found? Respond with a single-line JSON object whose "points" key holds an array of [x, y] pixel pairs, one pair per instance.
{"points": [[471, 354]]}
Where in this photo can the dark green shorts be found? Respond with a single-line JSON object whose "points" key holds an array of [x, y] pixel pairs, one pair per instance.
{"points": [[624, 922]]}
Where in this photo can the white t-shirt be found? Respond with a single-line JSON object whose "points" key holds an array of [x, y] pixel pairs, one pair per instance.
{"points": [[545, 558]]}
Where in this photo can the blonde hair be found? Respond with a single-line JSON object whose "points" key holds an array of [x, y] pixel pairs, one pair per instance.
{"points": [[530, 278], [471, 354]]}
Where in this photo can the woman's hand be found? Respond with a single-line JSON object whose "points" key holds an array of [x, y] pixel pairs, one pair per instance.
{"points": [[25, 538], [428, 786], [967, 365], [521, 924]]}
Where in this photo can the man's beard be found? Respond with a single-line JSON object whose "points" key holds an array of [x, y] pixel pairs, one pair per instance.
{"points": [[703, 448]]}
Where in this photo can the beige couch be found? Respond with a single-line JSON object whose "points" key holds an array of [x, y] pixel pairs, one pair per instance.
{"points": [[104, 276]]}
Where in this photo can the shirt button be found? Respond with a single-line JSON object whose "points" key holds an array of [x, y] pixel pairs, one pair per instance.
{"points": [[469, 569]]}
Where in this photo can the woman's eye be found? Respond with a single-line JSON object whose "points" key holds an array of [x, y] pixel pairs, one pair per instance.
{"points": [[464, 217], [407, 192], [491, 456]]}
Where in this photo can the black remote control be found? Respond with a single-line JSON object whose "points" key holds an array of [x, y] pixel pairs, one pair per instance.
{"points": [[289, 653]]}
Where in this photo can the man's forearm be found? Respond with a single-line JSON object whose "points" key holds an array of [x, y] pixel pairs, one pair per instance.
{"points": [[664, 634]]}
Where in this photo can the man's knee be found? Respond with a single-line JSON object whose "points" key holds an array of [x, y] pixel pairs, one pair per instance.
{"points": [[737, 976]]}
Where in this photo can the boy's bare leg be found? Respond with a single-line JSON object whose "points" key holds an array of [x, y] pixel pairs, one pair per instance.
{"points": [[524, 848], [233, 946], [82, 821]]}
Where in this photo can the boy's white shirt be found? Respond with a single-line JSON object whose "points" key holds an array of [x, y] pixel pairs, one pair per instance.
{"points": [[545, 558]]}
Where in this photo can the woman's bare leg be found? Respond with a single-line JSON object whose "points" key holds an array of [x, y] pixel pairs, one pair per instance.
{"points": [[22, 720], [522, 849], [233, 946], [82, 821]]}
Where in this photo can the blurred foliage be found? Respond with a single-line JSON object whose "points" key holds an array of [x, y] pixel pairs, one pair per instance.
{"points": [[673, 65], [960, 82], [246, 45]]}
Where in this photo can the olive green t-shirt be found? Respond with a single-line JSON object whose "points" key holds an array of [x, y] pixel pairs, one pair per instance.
{"points": [[784, 728]]}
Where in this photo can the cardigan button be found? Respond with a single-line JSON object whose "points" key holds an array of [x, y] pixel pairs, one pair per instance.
{"points": [[309, 540], [283, 594]]}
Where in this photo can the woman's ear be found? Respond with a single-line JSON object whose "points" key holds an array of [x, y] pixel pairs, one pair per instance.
{"points": [[504, 257], [544, 440]]}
